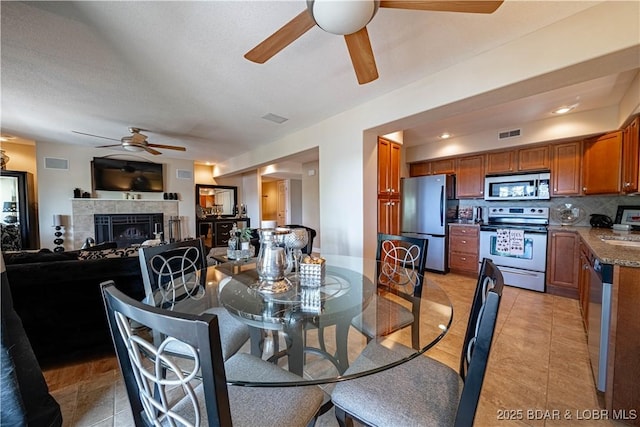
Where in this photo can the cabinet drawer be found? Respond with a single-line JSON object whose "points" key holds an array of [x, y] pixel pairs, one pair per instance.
{"points": [[464, 230], [222, 232], [463, 244], [463, 262]]}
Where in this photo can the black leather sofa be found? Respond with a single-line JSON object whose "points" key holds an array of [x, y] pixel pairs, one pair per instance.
{"points": [[58, 298], [24, 395]]}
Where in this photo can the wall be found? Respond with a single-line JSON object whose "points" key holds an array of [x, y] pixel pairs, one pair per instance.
{"points": [[511, 71], [56, 187], [311, 201]]}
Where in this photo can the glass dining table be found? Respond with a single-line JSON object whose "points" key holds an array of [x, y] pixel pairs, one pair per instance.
{"points": [[308, 330]]}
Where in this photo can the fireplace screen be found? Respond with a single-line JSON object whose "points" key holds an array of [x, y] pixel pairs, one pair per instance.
{"points": [[127, 229]]}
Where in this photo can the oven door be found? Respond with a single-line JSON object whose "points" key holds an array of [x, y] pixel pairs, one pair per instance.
{"points": [[526, 270]]}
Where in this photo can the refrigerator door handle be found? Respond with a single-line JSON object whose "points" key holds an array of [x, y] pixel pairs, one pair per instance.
{"points": [[442, 206]]}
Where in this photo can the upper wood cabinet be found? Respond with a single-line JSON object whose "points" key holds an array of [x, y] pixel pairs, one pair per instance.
{"points": [[602, 163], [521, 160], [419, 169], [446, 166], [435, 167], [534, 158], [631, 157], [566, 159], [470, 177], [388, 168], [501, 162]]}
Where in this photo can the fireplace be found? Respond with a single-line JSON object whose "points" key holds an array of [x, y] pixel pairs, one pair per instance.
{"points": [[127, 229]]}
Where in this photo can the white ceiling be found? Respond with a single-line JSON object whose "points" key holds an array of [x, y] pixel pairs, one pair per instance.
{"points": [[177, 69]]}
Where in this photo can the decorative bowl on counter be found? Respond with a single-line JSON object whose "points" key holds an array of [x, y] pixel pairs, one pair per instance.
{"points": [[568, 213]]}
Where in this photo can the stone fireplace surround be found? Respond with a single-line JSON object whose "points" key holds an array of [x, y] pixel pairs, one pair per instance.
{"points": [[83, 210]]}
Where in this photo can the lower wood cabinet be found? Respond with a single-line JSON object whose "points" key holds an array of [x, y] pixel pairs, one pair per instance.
{"points": [[389, 216], [584, 281], [463, 248], [562, 263]]}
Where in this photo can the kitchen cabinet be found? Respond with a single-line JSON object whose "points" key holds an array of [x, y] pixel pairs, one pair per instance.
{"points": [[533, 158], [631, 157], [501, 162], [435, 167], [470, 177], [388, 168], [463, 248], [566, 161], [584, 277], [623, 371], [419, 169], [443, 166], [601, 164], [562, 263], [388, 187], [389, 216]]}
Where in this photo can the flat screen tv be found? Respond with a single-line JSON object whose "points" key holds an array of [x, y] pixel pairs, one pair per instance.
{"points": [[126, 175]]}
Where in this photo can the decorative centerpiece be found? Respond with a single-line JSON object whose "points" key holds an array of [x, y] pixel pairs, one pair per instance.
{"points": [[312, 271]]}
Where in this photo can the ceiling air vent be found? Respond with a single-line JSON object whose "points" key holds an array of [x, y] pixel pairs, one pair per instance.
{"points": [[509, 134]]}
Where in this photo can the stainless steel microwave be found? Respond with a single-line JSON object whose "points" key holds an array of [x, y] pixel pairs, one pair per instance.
{"points": [[532, 186]]}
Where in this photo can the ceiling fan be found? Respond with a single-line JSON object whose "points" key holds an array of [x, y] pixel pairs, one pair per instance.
{"points": [[350, 19], [137, 141]]}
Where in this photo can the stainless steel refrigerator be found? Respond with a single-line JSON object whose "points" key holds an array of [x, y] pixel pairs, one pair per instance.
{"points": [[428, 205]]}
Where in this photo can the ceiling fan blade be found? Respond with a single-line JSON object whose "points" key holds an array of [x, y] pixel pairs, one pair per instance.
{"points": [[151, 150], [95, 136], [472, 6], [281, 38], [170, 147], [361, 54], [109, 146]]}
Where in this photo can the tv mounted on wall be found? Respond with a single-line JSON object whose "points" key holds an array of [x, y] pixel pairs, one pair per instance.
{"points": [[126, 175]]}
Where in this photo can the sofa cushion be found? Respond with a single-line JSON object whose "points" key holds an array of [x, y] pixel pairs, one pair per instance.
{"points": [[43, 255], [108, 253]]}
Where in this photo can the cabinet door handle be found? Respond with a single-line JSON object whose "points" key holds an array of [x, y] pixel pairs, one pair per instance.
{"points": [[463, 258], [584, 188], [464, 241]]}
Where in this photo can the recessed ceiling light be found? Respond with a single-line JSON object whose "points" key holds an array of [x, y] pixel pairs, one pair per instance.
{"points": [[445, 135], [564, 109], [275, 118]]}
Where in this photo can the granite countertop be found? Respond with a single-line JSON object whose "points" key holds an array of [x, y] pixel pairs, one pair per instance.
{"points": [[628, 256]]}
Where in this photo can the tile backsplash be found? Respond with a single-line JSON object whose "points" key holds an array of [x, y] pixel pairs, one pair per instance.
{"points": [[606, 205]]}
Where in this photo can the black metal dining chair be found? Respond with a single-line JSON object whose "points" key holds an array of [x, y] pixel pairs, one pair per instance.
{"points": [[425, 391], [164, 390], [173, 277], [401, 262]]}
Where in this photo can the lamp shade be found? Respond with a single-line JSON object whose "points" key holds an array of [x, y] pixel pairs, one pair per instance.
{"points": [[57, 220], [342, 17]]}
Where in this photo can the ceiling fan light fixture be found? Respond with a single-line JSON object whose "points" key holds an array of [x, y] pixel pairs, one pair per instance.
{"points": [[342, 17], [130, 147]]}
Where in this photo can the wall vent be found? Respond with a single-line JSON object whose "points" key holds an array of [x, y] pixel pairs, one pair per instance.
{"points": [[53, 163], [184, 174], [509, 134]]}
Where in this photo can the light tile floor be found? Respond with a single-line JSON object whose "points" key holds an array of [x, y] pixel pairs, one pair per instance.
{"points": [[538, 373]]}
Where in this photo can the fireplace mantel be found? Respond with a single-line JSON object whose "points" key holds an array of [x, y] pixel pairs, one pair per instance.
{"points": [[82, 222]]}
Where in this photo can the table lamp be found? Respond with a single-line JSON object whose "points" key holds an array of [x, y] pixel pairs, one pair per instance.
{"points": [[58, 241]]}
